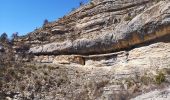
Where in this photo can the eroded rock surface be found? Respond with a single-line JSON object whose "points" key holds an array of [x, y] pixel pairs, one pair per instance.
{"points": [[155, 95], [105, 50], [103, 77], [120, 25]]}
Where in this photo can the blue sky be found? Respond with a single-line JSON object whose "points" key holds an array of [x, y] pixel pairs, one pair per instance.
{"points": [[24, 16]]}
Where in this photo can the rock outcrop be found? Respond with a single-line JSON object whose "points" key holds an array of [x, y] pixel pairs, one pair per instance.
{"points": [[107, 26], [155, 95], [156, 53], [114, 76], [104, 50]]}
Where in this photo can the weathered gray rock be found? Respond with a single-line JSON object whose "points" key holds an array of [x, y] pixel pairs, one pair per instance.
{"points": [[1, 48], [138, 29], [123, 78], [150, 23], [163, 94], [153, 54]]}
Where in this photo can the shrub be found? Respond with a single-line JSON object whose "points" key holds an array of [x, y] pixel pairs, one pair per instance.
{"points": [[146, 80], [45, 22], [92, 4], [81, 3], [128, 18], [14, 35], [160, 78], [73, 9], [3, 37]]}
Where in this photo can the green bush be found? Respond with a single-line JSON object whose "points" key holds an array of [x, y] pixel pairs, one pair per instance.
{"points": [[128, 18], [160, 78], [146, 80], [92, 4]]}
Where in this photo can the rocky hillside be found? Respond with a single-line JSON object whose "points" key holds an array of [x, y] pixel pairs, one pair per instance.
{"points": [[104, 50], [102, 27]]}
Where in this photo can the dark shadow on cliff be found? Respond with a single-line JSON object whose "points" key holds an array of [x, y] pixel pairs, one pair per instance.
{"points": [[164, 39]]}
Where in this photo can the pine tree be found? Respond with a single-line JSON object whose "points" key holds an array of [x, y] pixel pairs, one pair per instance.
{"points": [[45, 22], [4, 37]]}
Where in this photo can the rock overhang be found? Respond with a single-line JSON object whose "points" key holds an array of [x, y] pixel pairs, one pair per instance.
{"points": [[152, 23]]}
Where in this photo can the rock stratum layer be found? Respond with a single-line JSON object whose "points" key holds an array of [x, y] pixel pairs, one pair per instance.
{"points": [[103, 27], [115, 76], [104, 50]]}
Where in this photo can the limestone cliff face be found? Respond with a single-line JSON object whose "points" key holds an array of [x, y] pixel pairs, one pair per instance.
{"points": [[114, 76], [103, 26], [105, 50]]}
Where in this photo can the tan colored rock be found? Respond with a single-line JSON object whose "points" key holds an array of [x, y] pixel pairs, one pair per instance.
{"points": [[67, 59], [105, 33], [98, 52]]}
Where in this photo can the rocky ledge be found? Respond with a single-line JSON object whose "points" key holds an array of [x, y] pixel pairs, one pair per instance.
{"points": [[134, 74], [105, 50], [105, 32]]}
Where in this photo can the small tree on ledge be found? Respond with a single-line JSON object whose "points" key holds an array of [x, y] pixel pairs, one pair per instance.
{"points": [[4, 37], [45, 22]]}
